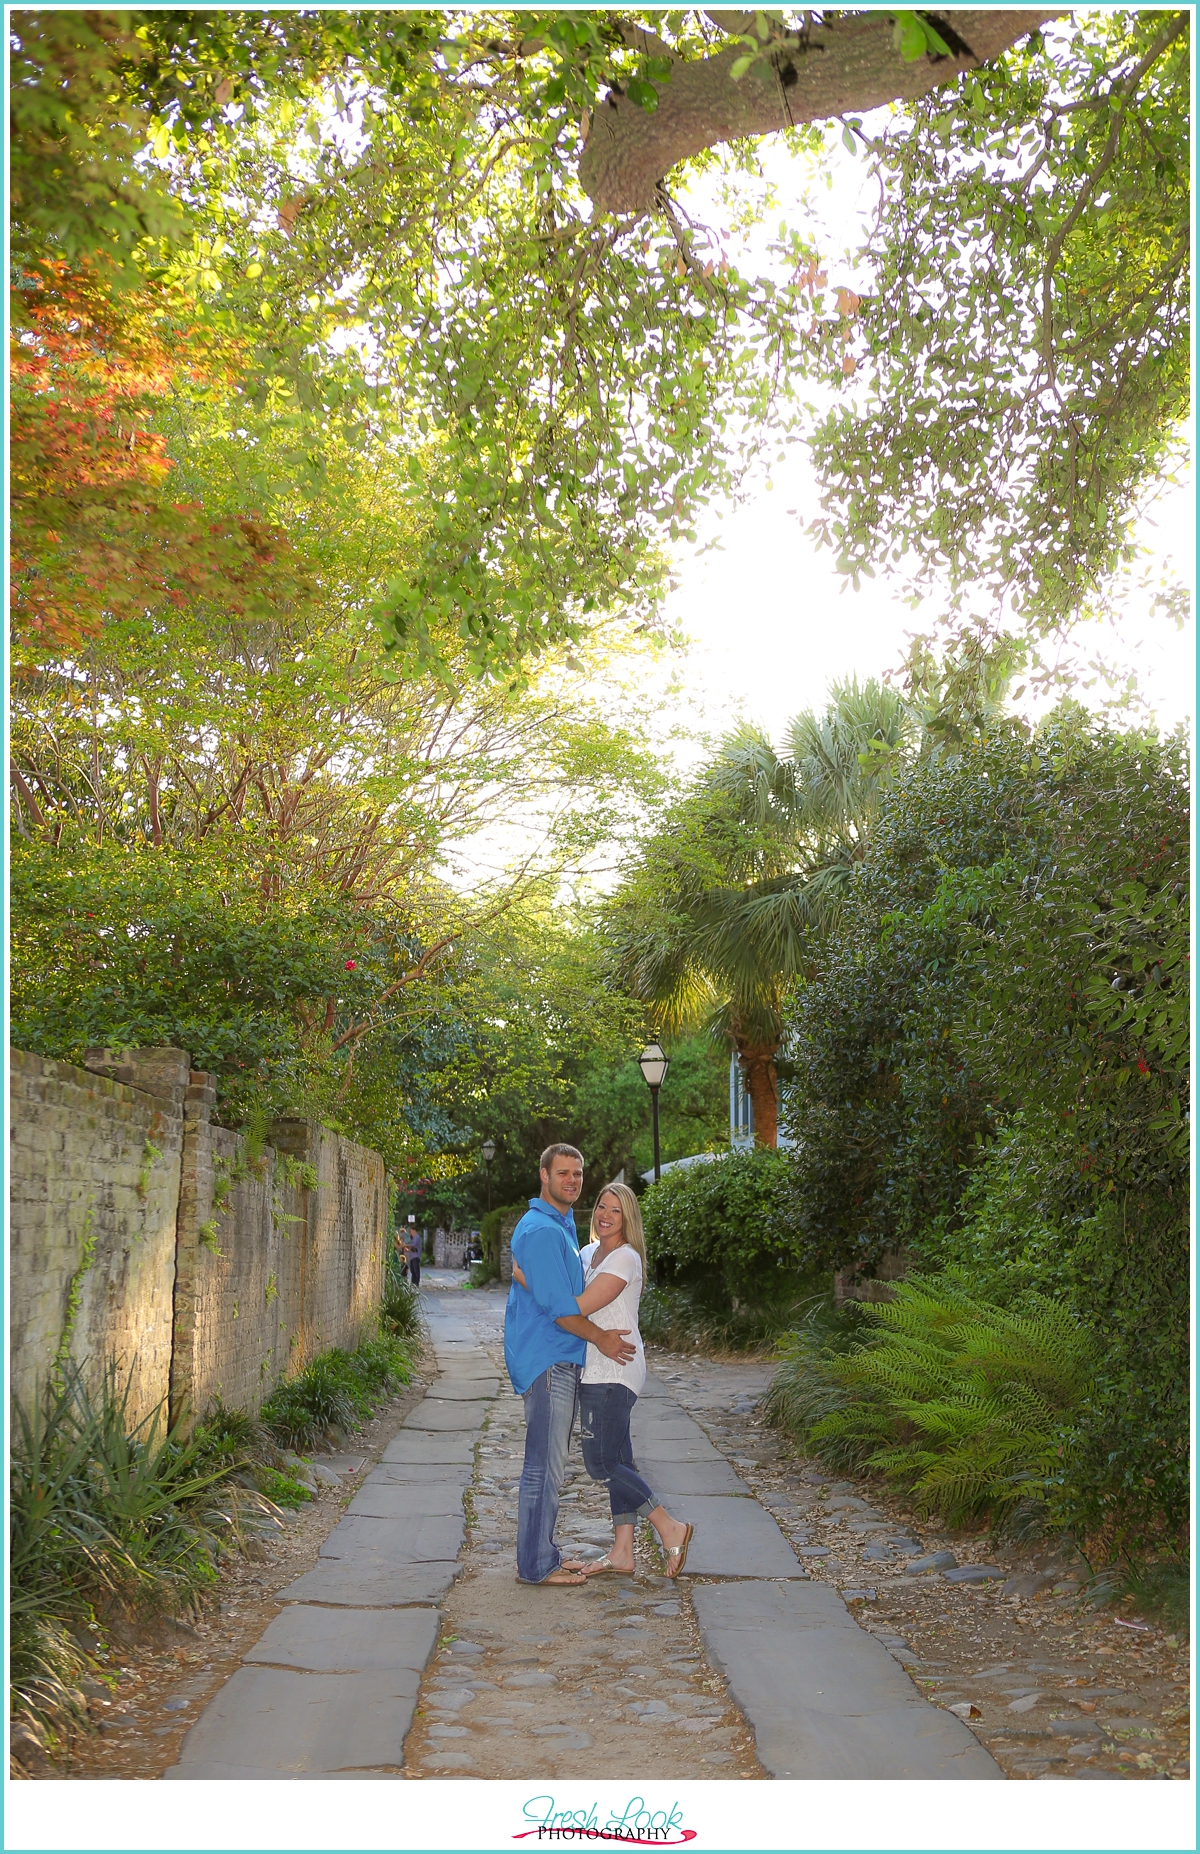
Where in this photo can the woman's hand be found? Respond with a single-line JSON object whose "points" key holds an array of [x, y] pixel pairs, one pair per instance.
{"points": [[519, 1278]]}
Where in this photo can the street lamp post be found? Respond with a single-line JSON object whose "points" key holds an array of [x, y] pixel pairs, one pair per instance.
{"points": [[488, 1149], [654, 1064]]}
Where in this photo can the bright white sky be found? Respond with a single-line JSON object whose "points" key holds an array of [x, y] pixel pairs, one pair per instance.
{"points": [[772, 623]]}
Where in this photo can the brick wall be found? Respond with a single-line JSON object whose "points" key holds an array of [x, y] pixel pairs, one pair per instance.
{"points": [[215, 1269], [507, 1226], [94, 1164]]}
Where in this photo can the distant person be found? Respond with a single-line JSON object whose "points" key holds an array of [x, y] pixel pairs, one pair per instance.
{"points": [[408, 1253], [545, 1346]]}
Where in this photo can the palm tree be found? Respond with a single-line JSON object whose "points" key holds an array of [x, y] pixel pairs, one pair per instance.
{"points": [[732, 899]]}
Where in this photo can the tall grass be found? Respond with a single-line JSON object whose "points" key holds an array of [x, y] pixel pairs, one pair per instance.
{"points": [[106, 1515], [112, 1519], [962, 1404], [400, 1313]]}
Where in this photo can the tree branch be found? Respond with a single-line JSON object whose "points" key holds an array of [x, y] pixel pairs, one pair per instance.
{"points": [[27, 799], [852, 65], [409, 978]]}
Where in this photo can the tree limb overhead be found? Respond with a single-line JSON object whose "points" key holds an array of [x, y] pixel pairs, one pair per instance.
{"points": [[852, 64]]}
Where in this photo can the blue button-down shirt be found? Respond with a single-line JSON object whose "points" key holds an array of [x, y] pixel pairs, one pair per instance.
{"points": [[545, 1249]]}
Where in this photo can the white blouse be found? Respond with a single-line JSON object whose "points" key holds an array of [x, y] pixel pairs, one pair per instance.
{"points": [[620, 1314]]}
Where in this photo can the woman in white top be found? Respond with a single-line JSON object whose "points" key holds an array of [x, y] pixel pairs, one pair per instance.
{"points": [[614, 1267]]}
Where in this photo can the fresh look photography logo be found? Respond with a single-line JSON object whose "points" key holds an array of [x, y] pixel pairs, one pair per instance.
{"points": [[636, 1825]]}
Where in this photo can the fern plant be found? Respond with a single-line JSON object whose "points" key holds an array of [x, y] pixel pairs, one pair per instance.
{"points": [[961, 1403]]}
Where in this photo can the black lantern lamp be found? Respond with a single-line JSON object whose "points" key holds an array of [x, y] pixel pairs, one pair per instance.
{"points": [[654, 1064], [488, 1149]]}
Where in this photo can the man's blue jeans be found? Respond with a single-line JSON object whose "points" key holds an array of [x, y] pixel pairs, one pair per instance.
{"points": [[549, 1413]]}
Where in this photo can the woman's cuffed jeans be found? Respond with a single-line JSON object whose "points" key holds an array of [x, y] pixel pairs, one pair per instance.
{"points": [[604, 1412], [549, 1413]]}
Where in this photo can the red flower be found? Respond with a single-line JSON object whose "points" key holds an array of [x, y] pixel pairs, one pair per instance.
{"points": [[351, 964], [1143, 1066]]}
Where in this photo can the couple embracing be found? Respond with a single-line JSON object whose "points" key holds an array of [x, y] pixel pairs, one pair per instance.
{"points": [[571, 1339]]}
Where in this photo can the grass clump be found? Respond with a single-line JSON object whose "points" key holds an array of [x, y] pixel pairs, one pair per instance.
{"points": [[400, 1313], [279, 1486], [337, 1392], [108, 1519], [233, 1440], [1160, 1589], [963, 1405]]}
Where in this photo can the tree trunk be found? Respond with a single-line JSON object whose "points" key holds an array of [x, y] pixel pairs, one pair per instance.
{"points": [[848, 65], [758, 1068]]}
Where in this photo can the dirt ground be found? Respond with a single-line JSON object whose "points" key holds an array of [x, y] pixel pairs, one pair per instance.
{"points": [[1053, 1688]]}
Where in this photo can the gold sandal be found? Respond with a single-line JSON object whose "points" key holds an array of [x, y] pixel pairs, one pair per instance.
{"points": [[678, 1551], [604, 1567]]}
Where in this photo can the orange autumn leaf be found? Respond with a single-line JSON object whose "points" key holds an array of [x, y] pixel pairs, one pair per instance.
{"points": [[96, 534]]}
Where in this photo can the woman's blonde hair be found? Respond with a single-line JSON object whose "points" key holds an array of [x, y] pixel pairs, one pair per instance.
{"points": [[631, 1220]]}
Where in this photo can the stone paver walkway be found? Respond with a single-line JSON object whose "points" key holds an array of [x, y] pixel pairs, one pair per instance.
{"points": [[633, 1677]]}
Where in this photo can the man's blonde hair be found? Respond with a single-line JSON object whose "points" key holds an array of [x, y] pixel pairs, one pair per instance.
{"points": [[631, 1220]]}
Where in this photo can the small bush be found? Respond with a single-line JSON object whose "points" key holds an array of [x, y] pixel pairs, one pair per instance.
{"points": [[400, 1313], [231, 1439], [698, 1317], [963, 1404], [723, 1227], [337, 1391], [805, 1388], [105, 1516], [1162, 1590], [281, 1488], [301, 1411]]}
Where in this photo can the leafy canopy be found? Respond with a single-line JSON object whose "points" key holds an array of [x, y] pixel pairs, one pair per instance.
{"points": [[1022, 346]]}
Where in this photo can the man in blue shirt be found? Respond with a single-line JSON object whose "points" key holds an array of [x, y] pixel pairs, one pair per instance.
{"points": [[545, 1344]]}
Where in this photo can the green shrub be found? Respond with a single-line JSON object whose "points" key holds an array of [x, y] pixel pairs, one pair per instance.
{"points": [[1162, 1589], [275, 1485], [400, 1313], [105, 1515], [686, 1318], [805, 1389], [230, 1439], [337, 1391], [990, 1070], [378, 1368], [302, 1411], [964, 1405], [722, 1228]]}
